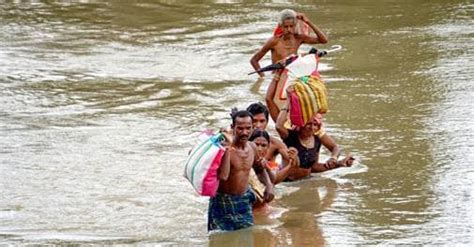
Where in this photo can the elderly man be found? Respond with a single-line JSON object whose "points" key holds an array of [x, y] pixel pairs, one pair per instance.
{"points": [[288, 41], [283, 44]]}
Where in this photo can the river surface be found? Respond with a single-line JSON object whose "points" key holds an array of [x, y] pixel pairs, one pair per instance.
{"points": [[101, 101]]}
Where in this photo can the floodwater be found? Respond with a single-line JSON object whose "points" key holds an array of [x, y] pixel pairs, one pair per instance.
{"points": [[100, 102]]}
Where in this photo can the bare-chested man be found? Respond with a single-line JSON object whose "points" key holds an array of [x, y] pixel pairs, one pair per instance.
{"points": [[260, 122], [287, 43], [231, 208], [276, 146], [283, 45]]}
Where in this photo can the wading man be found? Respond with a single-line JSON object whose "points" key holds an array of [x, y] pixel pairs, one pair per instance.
{"points": [[287, 43], [282, 45], [231, 208]]}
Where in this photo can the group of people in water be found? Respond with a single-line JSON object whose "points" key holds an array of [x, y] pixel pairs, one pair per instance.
{"points": [[248, 170]]}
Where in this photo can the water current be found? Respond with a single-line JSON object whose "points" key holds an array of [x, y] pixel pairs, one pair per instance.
{"points": [[101, 100]]}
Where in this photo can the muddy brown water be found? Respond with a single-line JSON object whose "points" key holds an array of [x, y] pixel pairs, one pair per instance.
{"points": [[100, 102]]}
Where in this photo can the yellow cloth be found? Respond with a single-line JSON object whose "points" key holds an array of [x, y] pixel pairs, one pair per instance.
{"points": [[257, 186], [312, 97]]}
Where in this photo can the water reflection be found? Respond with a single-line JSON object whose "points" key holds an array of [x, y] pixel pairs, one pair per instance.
{"points": [[296, 225], [300, 222]]}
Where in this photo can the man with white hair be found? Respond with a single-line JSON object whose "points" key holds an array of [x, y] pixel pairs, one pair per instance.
{"points": [[287, 39]]}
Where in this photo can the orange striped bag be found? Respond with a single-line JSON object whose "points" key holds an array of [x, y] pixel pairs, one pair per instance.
{"points": [[311, 95]]}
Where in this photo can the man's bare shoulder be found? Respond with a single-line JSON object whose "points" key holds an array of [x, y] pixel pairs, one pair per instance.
{"points": [[252, 150], [301, 36], [252, 145], [307, 39]]}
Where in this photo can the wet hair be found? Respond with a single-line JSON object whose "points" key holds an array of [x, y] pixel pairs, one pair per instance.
{"points": [[235, 113], [287, 14], [258, 108], [260, 133]]}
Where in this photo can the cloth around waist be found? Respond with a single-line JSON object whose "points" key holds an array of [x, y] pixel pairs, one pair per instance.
{"points": [[224, 203]]}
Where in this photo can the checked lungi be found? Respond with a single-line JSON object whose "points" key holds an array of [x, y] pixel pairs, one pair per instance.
{"points": [[230, 212]]}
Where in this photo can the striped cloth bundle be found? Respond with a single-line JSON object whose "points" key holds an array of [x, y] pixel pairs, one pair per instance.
{"points": [[202, 165], [308, 98]]}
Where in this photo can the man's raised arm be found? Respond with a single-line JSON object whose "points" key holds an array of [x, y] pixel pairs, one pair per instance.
{"points": [[320, 35]]}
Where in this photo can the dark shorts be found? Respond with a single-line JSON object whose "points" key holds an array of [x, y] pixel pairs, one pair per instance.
{"points": [[230, 212]]}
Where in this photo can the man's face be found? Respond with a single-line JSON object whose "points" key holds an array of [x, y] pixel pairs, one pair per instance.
{"points": [[260, 121], [243, 128], [288, 27]]}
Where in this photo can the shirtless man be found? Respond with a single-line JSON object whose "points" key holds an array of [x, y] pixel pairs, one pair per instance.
{"points": [[260, 122], [231, 208], [281, 46]]}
